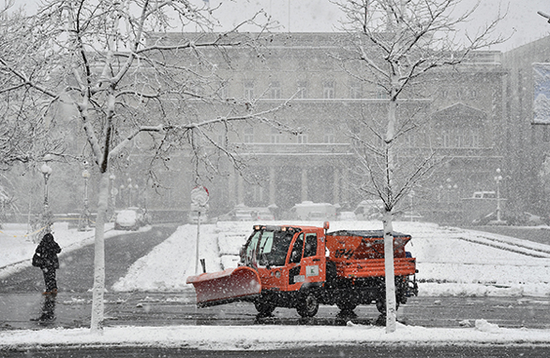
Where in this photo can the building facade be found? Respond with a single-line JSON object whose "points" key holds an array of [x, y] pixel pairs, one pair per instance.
{"points": [[462, 110]]}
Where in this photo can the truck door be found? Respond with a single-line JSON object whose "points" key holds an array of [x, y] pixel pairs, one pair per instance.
{"points": [[309, 264]]}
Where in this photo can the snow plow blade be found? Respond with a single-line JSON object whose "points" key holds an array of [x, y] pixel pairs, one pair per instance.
{"points": [[230, 285]]}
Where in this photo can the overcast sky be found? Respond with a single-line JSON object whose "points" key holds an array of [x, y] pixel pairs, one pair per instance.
{"points": [[522, 21]]}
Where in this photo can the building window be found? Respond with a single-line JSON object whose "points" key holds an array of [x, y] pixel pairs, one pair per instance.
{"points": [[302, 89], [302, 138], [258, 194], [329, 135], [355, 90], [249, 90], [381, 94], [409, 140], [249, 135], [223, 91], [275, 90], [475, 139], [328, 89], [275, 136], [460, 140], [445, 140]]}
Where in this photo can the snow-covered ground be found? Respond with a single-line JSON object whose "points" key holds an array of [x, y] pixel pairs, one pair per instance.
{"points": [[451, 261], [18, 243]]}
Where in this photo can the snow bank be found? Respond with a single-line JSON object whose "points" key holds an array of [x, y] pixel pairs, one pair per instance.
{"points": [[263, 337], [18, 245]]}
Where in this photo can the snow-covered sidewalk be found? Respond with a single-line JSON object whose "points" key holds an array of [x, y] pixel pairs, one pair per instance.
{"points": [[264, 337]]}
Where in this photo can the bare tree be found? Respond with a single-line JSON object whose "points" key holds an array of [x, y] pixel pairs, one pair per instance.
{"points": [[24, 129], [394, 45], [115, 68]]}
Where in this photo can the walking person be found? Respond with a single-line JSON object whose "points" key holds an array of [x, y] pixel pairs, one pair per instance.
{"points": [[45, 257]]}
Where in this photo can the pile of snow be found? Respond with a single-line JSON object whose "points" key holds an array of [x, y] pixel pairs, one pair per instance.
{"points": [[265, 337]]}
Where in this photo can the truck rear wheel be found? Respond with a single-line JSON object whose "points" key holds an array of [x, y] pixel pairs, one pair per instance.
{"points": [[309, 306], [346, 306], [264, 308]]}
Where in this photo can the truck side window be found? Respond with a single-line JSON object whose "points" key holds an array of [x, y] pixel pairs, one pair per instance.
{"points": [[311, 245], [296, 254]]}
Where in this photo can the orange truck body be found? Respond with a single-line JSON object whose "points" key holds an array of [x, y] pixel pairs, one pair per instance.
{"points": [[302, 266]]}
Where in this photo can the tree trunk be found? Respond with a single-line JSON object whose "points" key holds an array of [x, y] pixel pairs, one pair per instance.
{"points": [[388, 218], [391, 314], [98, 308]]}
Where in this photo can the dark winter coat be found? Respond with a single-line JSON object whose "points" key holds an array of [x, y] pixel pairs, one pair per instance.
{"points": [[48, 250]]}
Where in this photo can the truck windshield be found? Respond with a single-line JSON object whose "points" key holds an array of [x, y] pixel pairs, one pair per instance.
{"points": [[267, 248]]}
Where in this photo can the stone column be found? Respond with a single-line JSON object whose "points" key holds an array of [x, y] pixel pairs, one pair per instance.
{"points": [[272, 187], [344, 185], [336, 187], [304, 184], [240, 190]]}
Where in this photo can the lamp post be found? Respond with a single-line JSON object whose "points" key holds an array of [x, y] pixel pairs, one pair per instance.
{"points": [[86, 212], [122, 187], [129, 203], [46, 172], [498, 178], [137, 195]]}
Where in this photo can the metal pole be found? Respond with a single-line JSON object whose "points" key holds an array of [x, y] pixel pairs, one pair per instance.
{"points": [[197, 270], [498, 178], [498, 200]]}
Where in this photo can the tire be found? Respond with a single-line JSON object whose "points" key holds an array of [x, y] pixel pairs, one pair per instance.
{"points": [[264, 308], [346, 306], [309, 306]]}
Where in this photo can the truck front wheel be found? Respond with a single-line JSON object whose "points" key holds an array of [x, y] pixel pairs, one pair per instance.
{"points": [[346, 306], [264, 308], [308, 306]]}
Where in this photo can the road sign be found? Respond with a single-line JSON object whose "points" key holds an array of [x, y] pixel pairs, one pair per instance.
{"points": [[199, 196]]}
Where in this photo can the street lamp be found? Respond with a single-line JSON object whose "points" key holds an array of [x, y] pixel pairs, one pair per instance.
{"points": [[136, 201], [498, 178], [129, 180], [122, 194], [46, 172]]}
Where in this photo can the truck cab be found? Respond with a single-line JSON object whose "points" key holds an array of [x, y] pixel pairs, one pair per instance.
{"points": [[287, 258], [291, 265]]}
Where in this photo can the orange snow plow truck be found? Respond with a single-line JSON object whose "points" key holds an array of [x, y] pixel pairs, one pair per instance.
{"points": [[304, 266]]}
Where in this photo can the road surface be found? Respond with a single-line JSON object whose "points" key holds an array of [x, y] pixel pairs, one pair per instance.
{"points": [[21, 300]]}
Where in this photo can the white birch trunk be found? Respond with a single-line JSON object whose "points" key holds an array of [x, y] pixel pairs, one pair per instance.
{"points": [[391, 316], [391, 312], [98, 308]]}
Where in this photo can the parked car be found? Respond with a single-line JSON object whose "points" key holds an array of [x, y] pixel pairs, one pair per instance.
{"points": [[130, 219], [264, 215], [347, 216]]}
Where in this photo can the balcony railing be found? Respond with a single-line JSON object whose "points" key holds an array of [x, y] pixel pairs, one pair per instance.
{"points": [[294, 148]]}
